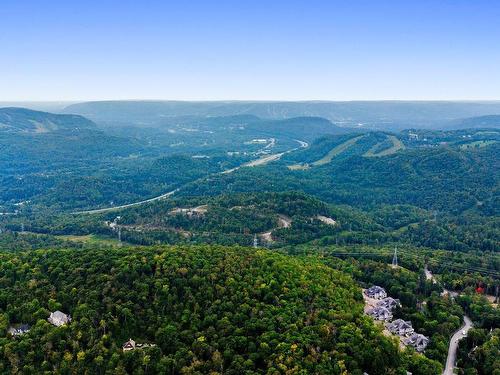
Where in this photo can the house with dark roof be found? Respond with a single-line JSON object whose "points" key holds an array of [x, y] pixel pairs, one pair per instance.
{"points": [[376, 292], [400, 327], [389, 303], [380, 313], [418, 341], [19, 330]]}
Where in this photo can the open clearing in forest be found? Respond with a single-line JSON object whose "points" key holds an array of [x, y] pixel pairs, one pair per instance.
{"points": [[283, 222], [396, 146], [336, 151], [89, 239], [298, 167]]}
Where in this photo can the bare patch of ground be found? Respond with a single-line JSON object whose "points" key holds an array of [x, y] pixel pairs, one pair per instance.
{"points": [[283, 222], [299, 167], [326, 220], [200, 210]]}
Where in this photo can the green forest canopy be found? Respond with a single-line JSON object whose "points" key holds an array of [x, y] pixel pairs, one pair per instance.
{"points": [[208, 309]]}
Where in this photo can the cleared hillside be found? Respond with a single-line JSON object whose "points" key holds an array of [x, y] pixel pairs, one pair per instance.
{"points": [[387, 147]]}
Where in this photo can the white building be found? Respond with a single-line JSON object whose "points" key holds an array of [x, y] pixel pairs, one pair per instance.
{"points": [[59, 318], [412, 136]]}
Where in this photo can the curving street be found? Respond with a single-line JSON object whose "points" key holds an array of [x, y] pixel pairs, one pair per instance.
{"points": [[452, 351]]}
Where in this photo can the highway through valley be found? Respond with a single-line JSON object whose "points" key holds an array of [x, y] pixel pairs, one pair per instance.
{"points": [[260, 161]]}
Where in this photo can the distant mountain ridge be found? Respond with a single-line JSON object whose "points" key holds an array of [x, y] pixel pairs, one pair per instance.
{"points": [[367, 114], [488, 121], [22, 120]]}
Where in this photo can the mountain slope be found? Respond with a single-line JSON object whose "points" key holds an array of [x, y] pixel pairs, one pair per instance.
{"points": [[307, 128], [22, 120], [490, 121], [440, 178]]}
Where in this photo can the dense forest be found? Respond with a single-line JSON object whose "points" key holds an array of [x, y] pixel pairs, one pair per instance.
{"points": [[293, 315]]}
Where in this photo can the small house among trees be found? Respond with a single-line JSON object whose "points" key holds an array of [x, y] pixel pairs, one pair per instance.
{"points": [[129, 345], [59, 318], [18, 331], [132, 345]]}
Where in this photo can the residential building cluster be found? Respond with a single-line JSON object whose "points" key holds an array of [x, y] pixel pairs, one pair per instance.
{"points": [[382, 311]]}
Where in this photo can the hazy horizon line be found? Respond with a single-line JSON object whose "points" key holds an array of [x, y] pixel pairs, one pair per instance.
{"points": [[3, 101]]}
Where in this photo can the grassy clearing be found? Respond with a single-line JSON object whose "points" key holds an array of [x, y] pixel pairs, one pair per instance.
{"points": [[396, 146], [336, 151], [298, 167], [90, 239]]}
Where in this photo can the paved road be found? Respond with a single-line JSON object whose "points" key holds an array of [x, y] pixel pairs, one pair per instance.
{"points": [[457, 336], [261, 161], [108, 209], [452, 351]]}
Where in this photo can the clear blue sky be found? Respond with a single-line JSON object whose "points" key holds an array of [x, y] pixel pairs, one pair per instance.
{"points": [[283, 50]]}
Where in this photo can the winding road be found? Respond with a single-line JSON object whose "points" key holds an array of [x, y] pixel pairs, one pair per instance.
{"points": [[452, 350], [457, 336], [260, 161]]}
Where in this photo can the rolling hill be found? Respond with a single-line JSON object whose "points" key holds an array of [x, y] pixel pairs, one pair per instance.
{"points": [[22, 120], [480, 122], [198, 308], [442, 178]]}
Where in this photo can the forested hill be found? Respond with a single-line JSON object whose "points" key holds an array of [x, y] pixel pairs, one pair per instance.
{"points": [[304, 128], [206, 310], [490, 121], [441, 178], [23, 120]]}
